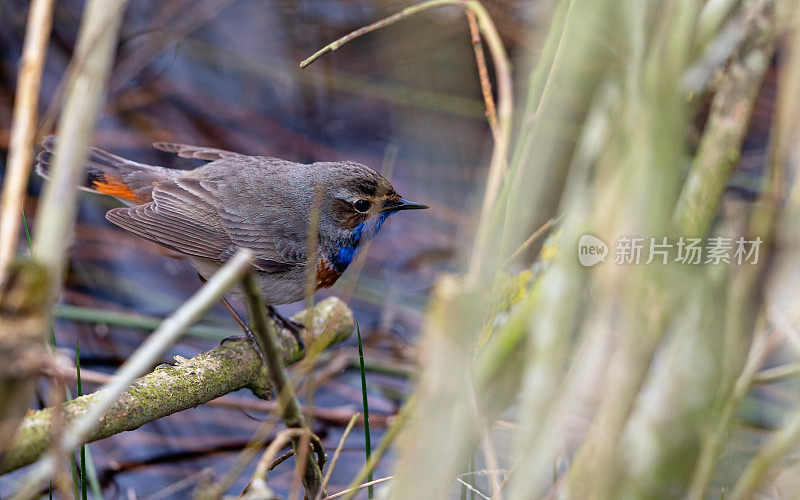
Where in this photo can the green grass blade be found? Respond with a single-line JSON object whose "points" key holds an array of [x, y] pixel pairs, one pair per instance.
{"points": [[365, 404], [27, 232], [30, 250], [76, 487], [91, 474]]}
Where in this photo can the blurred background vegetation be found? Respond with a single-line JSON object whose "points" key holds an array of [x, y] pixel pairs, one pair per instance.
{"points": [[522, 373]]}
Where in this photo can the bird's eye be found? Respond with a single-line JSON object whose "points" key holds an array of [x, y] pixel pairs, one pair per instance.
{"points": [[362, 205]]}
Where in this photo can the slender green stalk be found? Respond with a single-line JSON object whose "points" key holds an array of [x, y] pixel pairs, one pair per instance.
{"points": [[91, 475], [27, 233], [365, 405], [132, 320], [388, 438]]}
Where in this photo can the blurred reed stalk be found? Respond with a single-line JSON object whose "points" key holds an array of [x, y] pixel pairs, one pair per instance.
{"points": [[23, 128], [622, 373]]}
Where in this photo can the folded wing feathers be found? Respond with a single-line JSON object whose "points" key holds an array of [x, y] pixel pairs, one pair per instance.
{"points": [[184, 217], [194, 152]]}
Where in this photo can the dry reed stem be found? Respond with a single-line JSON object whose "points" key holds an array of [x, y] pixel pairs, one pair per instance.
{"points": [[259, 479], [713, 441], [355, 489], [23, 128], [290, 410], [337, 452], [56, 214], [728, 122], [531, 239], [483, 72]]}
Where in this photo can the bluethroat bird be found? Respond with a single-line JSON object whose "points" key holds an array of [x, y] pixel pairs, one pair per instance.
{"points": [[237, 201]]}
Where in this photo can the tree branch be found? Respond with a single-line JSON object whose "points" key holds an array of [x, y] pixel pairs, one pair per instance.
{"points": [[172, 388]]}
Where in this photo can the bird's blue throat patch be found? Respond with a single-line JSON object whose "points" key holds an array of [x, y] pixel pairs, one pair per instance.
{"points": [[348, 248]]}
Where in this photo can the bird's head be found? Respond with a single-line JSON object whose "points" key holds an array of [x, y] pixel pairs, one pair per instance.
{"points": [[355, 203]]}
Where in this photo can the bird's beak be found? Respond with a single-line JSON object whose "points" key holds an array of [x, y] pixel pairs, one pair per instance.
{"points": [[403, 204]]}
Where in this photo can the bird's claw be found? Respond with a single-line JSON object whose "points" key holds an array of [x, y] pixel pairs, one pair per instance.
{"points": [[293, 326]]}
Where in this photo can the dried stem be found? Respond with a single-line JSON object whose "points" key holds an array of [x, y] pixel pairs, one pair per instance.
{"points": [[532, 239], [95, 47], [728, 123], [95, 50], [351, 491], [259, 479], [290, 410], [23, 127], [337, 452], [483, 72]]}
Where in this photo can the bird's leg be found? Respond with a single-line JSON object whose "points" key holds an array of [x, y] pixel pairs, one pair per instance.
{"points": [[292, 326], [242, 324]]}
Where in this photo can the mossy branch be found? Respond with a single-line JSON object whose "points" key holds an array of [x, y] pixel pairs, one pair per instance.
{"points": [[172, 388]]}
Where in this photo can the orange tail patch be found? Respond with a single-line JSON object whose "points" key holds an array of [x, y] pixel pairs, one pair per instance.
{"points": [[113, 186]]}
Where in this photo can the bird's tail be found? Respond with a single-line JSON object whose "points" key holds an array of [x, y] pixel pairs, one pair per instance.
{"points": [[109, 174]]}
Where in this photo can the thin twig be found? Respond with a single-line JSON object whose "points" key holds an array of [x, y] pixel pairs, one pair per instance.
{"points": [[483, 73], [388, 438], [351, 491], [259, 479], [280, 459], [151, 350], [23, 127], [337, 452], [531, 239]]}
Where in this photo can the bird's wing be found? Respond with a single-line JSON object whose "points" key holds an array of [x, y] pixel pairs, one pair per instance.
{"points": [[268, 233], [184, 217], [195, 152], [181, 217]]}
